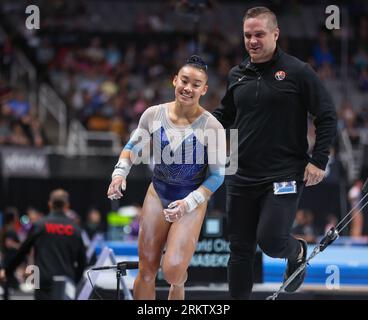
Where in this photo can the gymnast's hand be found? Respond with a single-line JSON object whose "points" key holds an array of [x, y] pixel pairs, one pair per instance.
{"points": [[117, 185], [175, 210]]}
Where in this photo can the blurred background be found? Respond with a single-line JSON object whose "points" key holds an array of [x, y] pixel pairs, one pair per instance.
{"points": [[72, 91]]}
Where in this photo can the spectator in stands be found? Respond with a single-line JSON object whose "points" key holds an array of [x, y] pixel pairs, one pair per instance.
{"points": [[5, 91], [364, 116], [323, 57], [93, 224], [33, 215], [9, 244], [363, 30], [45, 52], [360, 60], [18, 136], [59, 249], [363, 80], [113, 55], [5, 130], [348, 120], [6, 55], [74, 216], [18, 105], [17, 125], [94, 52], [37, 134]]}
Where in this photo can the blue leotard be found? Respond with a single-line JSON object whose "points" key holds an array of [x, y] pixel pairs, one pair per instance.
{"points": [[181, 153]]}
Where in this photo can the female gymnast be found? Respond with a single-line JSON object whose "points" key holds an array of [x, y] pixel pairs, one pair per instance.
{"points": [[189, 149]]}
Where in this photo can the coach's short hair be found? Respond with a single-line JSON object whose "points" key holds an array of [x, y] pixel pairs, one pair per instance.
{"points": [[257, 11], [58, 199]]}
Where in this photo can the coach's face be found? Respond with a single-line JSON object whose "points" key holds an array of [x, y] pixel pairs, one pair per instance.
{"points": [[260, 38]]}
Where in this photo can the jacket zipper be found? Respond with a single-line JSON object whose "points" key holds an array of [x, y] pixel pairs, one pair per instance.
{"points": [[259, 76], [241, 79], [257, 91]]}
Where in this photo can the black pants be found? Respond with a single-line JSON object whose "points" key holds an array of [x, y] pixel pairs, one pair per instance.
{"points": [[257, 216], [44, 294]]}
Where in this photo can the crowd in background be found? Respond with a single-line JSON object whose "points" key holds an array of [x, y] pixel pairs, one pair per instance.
{"points": [[18, 126], [108, 82], [108, 79]]}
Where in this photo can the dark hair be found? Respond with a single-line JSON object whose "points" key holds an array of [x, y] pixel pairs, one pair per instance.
{"points": [[196, 62], [257, 11], [58, 199]]}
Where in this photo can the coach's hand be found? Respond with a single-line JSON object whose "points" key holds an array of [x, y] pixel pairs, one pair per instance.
{"points": [[313, 175], [117, 185]]}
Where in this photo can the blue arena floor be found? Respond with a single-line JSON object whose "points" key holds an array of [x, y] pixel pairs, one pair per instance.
{"points": [[348, 264]]}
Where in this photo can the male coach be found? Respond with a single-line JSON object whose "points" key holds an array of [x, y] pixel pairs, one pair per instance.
{"points": [[268, 99]]}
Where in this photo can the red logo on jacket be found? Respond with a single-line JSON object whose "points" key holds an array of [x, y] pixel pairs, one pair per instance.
{"points": [[60, 229], [280, 75]]}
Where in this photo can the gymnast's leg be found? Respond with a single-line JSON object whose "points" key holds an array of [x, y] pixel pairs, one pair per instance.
{"points": [[153, 230], [181, 244]]}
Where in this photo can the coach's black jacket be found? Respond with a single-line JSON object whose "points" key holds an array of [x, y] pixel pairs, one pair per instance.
{"points": [[268, 103], [58, 249]]}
